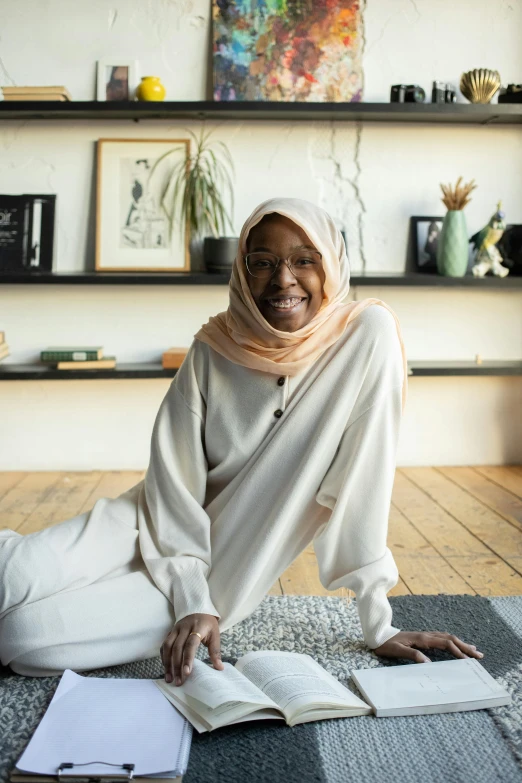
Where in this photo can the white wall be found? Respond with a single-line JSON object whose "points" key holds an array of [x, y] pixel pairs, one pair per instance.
{"points": [[376, 175]]}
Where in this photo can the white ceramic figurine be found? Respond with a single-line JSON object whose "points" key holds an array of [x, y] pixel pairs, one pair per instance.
{"points": [[488, 256]]}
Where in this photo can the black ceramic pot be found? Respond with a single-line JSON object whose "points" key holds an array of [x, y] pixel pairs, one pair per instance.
{"points": [[219, 254]]}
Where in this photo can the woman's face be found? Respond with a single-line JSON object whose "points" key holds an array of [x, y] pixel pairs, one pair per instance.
{"points": [[281, 236]]}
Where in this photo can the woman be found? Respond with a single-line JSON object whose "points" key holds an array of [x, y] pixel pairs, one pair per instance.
{"points": [[280, 428]]}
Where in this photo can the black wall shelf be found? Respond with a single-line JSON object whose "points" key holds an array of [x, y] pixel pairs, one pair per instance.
{"points": [[489, 114], [487, 367], [410, 279], [475, 114], [39, 372]]}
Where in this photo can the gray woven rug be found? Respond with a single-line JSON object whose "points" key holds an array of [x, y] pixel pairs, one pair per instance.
{"points": [[482, 746]]}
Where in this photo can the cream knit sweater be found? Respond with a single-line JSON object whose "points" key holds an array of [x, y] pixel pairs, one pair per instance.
{"points": [[233, 493]]}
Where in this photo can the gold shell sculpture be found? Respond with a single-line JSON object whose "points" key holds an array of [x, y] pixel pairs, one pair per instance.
{"points": [[480, 85]]}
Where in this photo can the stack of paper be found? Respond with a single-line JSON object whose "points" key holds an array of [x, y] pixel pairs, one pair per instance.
{"points": [[93, 719]]}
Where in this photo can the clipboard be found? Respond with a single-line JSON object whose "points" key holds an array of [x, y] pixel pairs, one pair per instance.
{"points": [[23, 777], [107, 720], [127, 774]]}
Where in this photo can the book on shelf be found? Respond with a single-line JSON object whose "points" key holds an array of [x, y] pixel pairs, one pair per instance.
{"points": [[2, 337], [173, 358], [36, 97], [71, 353], [4, 350], [36, 93], [107, 363], [294, 688]]}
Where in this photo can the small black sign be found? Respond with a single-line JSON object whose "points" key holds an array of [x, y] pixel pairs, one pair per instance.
{"points": [[26, 232]]}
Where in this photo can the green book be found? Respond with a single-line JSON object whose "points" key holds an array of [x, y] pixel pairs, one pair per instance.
{"points": [[71, 354]]}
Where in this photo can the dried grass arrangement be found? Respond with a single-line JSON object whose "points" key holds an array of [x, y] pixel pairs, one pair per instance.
{"points": [[458, 197]]}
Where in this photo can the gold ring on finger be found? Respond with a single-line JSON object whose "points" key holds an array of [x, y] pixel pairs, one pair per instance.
{"points": [[195, 633]]}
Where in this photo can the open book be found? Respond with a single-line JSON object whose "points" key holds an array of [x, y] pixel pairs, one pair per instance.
{"points": [[267, 684], [295, 688]]}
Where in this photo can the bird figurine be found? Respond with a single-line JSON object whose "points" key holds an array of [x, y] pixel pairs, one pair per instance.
{"points": [[484, 242]]}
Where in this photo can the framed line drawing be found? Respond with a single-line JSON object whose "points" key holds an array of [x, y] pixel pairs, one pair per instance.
{"points": [[133, 227]]}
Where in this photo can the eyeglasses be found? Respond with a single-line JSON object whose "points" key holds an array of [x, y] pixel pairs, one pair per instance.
{"points": [[302, 263]]}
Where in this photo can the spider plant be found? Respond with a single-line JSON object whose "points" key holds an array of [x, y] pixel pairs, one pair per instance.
{"points": [[196, 188]]}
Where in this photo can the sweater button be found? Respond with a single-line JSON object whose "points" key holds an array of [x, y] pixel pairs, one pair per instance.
{"points": [[278, 413], [281, 381]]}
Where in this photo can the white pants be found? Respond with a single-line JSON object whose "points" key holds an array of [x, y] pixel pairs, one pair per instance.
{"points": [[77, 595]]}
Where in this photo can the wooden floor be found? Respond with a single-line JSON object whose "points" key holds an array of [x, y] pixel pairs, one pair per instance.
{"points": [[451, 530]]}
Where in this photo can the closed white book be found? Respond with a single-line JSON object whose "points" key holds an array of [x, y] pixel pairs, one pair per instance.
{"points": [[425, 688]]}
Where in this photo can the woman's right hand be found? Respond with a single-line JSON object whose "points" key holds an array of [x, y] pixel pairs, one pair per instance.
{"points": [[179, 648]]}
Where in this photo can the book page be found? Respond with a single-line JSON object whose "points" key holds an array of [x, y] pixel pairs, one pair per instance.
{"points": [[296, 682], [181, 704], [215, 688], [233, 712], [205, 718]]}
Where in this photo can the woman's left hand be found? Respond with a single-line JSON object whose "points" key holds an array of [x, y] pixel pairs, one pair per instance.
{"points": [[401, 645]]}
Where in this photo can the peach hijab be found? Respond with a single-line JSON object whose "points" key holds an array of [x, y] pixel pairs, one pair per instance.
{"points": [[245, 337]]}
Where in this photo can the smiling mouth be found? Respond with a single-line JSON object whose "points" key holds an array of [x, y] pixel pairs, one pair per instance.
{"points": [[289, 305]]}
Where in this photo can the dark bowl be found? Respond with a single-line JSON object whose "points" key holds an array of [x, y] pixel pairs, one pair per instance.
{"points": [[219, 254]]}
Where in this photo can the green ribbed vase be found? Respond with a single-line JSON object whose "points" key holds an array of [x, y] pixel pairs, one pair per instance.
{"points": [[452, 247]]}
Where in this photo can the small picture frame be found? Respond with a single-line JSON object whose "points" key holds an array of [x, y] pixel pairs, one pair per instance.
{"points": [[133, 229], [117, 79], [426, 231], [27, 224], [510, 247]]}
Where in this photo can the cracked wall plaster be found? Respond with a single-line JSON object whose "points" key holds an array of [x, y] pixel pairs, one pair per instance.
{"points": [[414, 4], [197, 20], [113, 15], [334, 159], [282, 140], [163, 17], [9, 134], [6, 76]]}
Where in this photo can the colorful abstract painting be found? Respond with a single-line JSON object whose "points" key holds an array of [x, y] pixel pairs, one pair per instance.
{"points": [[287, 50]]}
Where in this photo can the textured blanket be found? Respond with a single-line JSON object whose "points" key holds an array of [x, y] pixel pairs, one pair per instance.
{"points": [[482, 746]]}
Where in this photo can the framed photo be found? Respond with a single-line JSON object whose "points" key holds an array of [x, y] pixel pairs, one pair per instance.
{"points": [[27, 232], [116, 80], [510, 247], [426, 232], [134, 231]]}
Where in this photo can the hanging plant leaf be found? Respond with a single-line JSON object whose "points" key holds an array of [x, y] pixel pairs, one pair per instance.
{"points": [[198, 187]]}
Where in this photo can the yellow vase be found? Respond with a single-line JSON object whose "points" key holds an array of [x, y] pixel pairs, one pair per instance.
{"points": [[150, 89]]}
